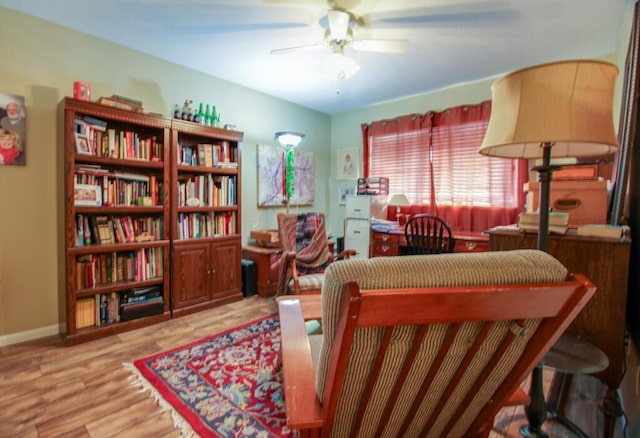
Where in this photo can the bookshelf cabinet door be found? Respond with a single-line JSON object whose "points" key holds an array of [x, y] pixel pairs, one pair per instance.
{"points": [[227, 280], [191, 276]]}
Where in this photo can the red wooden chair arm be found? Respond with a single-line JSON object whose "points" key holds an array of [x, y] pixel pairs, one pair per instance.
{"points": [[346, 254], [304, 412]]}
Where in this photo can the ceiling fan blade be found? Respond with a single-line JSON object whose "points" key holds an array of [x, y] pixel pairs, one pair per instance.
{"points": [[457, 13], [386, 46], [338, 24], [298, 49]]}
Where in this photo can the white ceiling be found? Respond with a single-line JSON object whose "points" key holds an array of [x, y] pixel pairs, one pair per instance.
{"points": [[451, 41]]}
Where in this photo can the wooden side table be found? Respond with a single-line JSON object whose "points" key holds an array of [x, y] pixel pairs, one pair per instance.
{"points": [[267, 261], [602, 322]]}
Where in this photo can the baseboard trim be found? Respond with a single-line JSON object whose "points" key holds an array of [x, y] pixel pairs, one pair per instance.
{"points": [[29, 335]]}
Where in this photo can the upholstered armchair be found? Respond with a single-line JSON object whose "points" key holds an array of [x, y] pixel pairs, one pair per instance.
{"points": [[427, 345], [305, 253]]}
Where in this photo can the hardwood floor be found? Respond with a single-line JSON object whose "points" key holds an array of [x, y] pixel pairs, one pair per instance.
{"points": [[50, 390]]}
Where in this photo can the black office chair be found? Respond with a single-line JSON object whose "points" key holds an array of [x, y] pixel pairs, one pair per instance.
{"points": [[427, 234]]}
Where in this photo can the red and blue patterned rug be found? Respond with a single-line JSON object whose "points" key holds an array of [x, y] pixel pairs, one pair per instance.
{"points": [[226, 385]]}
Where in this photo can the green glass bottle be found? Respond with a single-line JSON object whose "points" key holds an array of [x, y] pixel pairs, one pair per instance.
{"points": [[214, 116], [207, 116], [200, 115]]}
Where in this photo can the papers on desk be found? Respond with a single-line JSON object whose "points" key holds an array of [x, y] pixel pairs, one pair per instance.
{"points": [[383, 226]]}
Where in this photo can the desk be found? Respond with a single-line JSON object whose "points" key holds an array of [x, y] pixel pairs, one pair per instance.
{"points": [[602, 322], [267, 262], [390, 243]]}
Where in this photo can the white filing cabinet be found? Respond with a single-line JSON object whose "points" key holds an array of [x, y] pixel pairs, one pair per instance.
{"points": [[357, 224]]}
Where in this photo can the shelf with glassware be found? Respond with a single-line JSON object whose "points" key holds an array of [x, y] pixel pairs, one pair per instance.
{"points": [[116, 241], [205, 223]]}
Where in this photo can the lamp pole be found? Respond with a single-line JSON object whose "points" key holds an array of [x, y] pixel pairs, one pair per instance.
{"points": [[536, 410]]}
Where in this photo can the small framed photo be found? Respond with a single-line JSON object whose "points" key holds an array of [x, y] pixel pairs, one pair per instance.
{"points": [[82, 144], [87, 195], [13, 130], [343, 192], [347, 164]]}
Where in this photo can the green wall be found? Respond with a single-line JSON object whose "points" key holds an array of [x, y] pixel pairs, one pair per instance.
{"points": [[41, 63]]}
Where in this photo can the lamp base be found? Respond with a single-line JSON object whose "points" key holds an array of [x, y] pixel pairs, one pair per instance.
{"points": [[528, 432]]}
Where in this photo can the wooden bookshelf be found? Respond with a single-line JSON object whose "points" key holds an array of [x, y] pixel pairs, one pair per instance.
{"points": [[205, 216], [116, 219]]}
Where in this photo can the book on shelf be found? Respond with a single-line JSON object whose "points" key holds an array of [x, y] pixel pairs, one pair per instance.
{"points": [[603, 230], [130, 100], [120, 104], [558, 222], [132, 176], [105, 232], [208, 155], [85, 313], [229, 165]]}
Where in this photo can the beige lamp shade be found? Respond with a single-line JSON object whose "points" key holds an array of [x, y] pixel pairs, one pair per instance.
{"points": [[568, 104], [399, 200]]}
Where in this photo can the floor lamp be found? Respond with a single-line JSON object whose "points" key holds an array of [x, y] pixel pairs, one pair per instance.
{"points": [[288, 140], [560, 109]]}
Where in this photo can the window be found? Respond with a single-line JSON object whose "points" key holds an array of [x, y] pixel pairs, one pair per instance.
{"points": [[434, 160]]}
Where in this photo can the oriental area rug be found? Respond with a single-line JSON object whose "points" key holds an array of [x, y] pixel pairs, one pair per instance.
{"points": [[226, 385]]}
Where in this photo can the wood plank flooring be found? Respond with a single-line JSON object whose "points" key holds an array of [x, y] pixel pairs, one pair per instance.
{"points": [[50, 390]]}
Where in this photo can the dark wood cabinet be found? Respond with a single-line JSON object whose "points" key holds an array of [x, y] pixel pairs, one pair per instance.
{"points": [[206, 274], [390, 244], [191, 283], [606, 263], [226, 271], [386, 244]]}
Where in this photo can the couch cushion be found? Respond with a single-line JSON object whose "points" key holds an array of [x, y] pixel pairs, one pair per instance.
{"points": [[308, 282]]}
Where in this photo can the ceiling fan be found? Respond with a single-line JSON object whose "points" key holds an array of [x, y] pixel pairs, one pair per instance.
{"points": [[338, 36]]}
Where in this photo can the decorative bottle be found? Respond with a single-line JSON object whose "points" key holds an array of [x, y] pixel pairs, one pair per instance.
{"points": [[207, 116], [200, 116]]}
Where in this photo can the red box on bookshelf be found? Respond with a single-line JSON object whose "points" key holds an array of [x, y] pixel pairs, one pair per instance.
{"points": [[82, 91]]}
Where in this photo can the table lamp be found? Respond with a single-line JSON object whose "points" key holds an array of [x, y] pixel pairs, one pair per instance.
{"points": [[399, 200], [559, 109]]}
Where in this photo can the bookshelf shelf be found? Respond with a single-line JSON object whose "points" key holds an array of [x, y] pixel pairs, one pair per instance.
{"points": [[120, 210], [138, 164], [117, 247], [117, 287]]}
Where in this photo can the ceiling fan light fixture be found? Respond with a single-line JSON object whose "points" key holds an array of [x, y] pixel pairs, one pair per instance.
{"points": [[338, 66]]}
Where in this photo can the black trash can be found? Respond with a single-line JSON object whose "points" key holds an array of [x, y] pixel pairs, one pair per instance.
{"points": [[249, 278]]}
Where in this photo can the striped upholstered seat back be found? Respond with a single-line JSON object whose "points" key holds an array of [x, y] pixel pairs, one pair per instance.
{"points": [[451, 379]]}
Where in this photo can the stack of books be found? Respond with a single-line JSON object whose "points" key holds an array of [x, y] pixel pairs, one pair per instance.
{"points": [[603, 230], [558, 222]]}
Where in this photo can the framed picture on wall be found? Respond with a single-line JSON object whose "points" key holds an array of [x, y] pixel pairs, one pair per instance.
{"points": [[13, 139], [343, 192], [347, 164]]}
